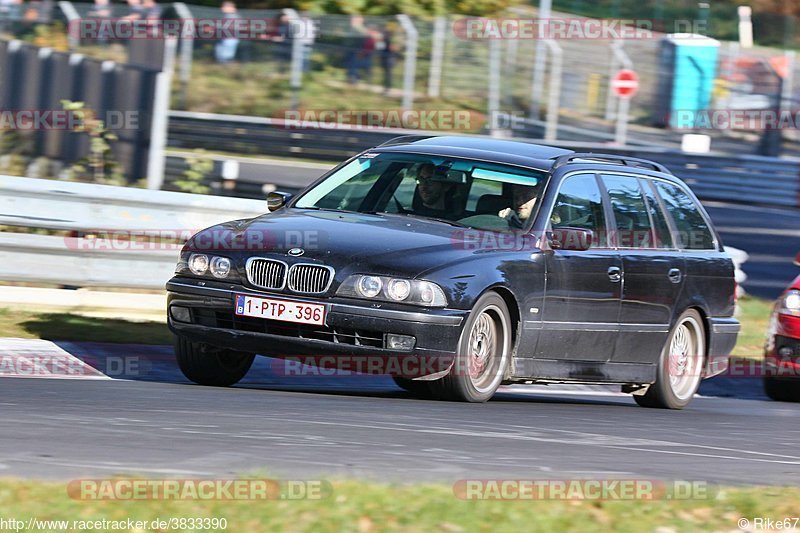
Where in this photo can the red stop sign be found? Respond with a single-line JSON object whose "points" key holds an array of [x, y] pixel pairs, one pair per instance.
{"points": [[625, 83]]}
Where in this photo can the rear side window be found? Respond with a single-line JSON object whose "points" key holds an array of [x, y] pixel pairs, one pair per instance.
{"points": [[580, 205], [660, 225], [693, 232], [630, 212]]}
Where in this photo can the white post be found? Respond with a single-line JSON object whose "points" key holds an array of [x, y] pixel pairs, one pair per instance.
{"points": [[554, 96], [187, 41], [621, 133], [788, 86], [437, 54], [73, 18], [537, 83], [493, 105], [410, 66], [298, 33], [160, 118], [745, 26]]}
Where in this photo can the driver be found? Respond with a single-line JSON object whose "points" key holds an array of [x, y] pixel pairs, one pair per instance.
{"points": [[435, 195], [524, 198]]}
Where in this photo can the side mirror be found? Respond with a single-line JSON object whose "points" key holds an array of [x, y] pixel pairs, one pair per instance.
{"points": [[277, 199], [797, 259], [576, 239]]}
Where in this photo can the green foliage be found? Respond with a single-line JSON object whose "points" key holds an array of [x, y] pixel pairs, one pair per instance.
{"points": [[99, 166], [418, 8], [200, 166]]}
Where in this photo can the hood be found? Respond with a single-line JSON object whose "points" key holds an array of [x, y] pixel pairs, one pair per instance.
{"points": [[349, 242]]}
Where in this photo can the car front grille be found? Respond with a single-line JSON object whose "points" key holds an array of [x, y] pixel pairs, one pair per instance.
{"points": [[309, 279], [267, 273], [304, 278]]}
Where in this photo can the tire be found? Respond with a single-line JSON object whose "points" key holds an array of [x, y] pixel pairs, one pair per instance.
{"points": [[208, 366], [482, 356], [782, 390], [680, 365], [417, 388]]}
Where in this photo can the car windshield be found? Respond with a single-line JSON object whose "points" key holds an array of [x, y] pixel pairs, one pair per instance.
{"points": [[465, 192]]}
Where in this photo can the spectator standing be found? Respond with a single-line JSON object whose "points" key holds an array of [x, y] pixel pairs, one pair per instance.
{"points": [[225, 49]]}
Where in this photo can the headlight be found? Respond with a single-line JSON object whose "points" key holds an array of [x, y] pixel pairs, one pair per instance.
{"points": [[398, 289], [220, 267], [205, 265], [790, 303], [417, 292], [198, 264], [369, 286]]}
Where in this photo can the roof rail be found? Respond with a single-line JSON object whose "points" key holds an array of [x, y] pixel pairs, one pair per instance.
{"points": [[403, 139], [610, 158]]}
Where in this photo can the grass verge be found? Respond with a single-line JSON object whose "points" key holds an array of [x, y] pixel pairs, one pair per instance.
{"points": [[366, 507], [28, 324]]}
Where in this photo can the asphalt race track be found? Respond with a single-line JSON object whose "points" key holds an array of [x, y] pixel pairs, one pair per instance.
{"points": [[155, 424]]}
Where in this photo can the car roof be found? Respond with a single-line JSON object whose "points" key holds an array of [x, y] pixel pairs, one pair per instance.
{"points": [[537, 156]]}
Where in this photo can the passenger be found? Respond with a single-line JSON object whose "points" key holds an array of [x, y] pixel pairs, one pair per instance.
{"points": [[524, 198]]}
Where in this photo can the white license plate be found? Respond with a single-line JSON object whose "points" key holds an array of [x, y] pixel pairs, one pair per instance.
{"points": [[284, 310]]}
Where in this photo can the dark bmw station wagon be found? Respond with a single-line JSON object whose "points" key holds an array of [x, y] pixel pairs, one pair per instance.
{"points": [[493, 262]]}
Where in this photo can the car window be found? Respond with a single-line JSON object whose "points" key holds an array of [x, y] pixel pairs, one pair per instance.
{"points": [[580, 205], [659, 219], [630, 212], [475, 194], [693, 232]]}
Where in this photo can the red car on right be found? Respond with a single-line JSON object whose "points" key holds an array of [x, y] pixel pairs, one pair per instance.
{"points": [[782, 352]]}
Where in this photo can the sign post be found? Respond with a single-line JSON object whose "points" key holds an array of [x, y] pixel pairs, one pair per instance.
{"points": [[625, 84]]}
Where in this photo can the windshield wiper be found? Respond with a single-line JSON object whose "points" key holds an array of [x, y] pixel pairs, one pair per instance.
{"points": [[424, 217]]}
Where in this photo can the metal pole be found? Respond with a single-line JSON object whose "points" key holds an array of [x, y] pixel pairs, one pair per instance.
{"points": [[512, 47], [621, 133], [410, 67], [73, 32], [158, 129], [493, 105], [554, 91], [186, 52], [437, 54], [788, 87], [298, 33], [537, 83]]}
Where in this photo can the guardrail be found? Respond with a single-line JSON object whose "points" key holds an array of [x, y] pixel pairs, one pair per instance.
{"points": [[737, 178], [79, 210]]}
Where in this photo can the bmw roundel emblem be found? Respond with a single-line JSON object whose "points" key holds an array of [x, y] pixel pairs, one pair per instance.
{"points": [[296, 252]]}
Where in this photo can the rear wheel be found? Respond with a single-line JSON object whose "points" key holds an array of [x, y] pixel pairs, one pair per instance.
{"points": [[680, 365], [209, 366], [482, 355], [782, 390]]}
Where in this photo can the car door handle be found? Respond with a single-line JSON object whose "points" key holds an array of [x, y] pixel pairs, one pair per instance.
{"points": [[614, 274], [674, 275]]}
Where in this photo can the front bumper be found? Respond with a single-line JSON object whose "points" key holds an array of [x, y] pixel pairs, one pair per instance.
{"points": [[351, 326]]}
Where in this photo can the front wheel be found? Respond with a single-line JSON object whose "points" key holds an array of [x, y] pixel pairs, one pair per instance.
{"points": [[208, 366], [482, 355], [680, 365]]}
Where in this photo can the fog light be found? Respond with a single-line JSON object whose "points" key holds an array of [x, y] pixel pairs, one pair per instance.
{"points": [[400, 342], [180, 314]]}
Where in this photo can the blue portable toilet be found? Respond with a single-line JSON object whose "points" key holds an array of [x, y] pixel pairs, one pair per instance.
{"points": [[687, 68]]}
